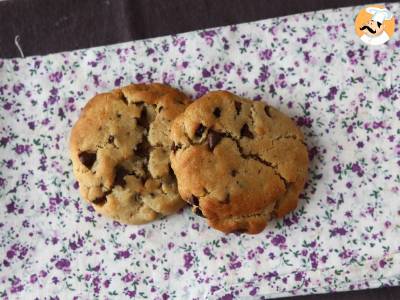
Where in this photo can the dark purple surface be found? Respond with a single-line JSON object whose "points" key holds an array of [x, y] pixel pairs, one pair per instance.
{"points": [[48, 26]]}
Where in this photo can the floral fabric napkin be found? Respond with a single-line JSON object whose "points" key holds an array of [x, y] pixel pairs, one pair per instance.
{"points": [[345, 234]]}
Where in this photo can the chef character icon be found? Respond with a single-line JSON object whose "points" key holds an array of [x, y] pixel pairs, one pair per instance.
{"points": [[374, 30]]}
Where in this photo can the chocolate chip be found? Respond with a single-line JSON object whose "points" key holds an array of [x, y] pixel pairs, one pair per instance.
{"points": [[267, 111], [193, 200], [233, 173], [111, 139], [171, 172], [120, 173], [200, 130], [198, 212], [160, 108], [87, 159], [227, 199], [142, 121], [245, 131], [217, 112], [102, 199], [238, 107], [174, 147], [142, 149], [213, 139], [124, 99], [119, 115]]}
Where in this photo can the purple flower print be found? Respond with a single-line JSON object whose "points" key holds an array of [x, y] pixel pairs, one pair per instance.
{"points": [[356, 168], [382, 263], [149, 51], [128, 277], [314, 260], [266, 54], [96, 80], [208, 36], [130, 294], [31, 125], [20, 149], [122, 254], [264, 73], [33, 278], [200, 90], [337, 231], [165, 296], [53, 98], [227, 297], [195, 226], [4, 141], [11, 207], [271, 275], [168, 78], [234, 263], [188, 261], [328, 58], [304, 121], [117, 81], [307, 56], [63, 264], [206, 73], [56, 77], [379, 57], [253, 292], [278, 240], [17, 88], [332, 93], [7, 106], [337, 169], [139, 77], [76, 244], [17, 286], [299, 276], [228, 67]]}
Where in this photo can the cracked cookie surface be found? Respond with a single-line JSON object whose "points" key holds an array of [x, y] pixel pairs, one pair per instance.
{"points": [[120, 150], [238, 162]]}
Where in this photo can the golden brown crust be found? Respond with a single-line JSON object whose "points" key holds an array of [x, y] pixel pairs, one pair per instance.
{"points": [[235, 158], [120, 152]]}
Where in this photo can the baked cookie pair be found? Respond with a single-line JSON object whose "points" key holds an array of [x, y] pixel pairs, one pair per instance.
{"points": [[138, 151]]}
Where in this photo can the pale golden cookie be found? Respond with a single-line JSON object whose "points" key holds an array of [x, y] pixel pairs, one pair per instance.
{"points": [[238, 162], [120, 149]]}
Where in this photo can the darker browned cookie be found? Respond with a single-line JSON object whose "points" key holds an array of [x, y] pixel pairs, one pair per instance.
{"points": [[238, 162], [120, 149]]}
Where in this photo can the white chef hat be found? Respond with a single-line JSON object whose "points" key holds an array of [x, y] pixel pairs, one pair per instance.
{"points": [[379, 14]]}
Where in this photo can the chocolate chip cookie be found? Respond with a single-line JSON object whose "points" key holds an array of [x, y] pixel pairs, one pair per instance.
{"points": [[238, 162], [120, 149]]}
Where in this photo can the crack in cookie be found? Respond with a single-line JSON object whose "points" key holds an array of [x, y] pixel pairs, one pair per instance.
{"points": [[249, 157]]}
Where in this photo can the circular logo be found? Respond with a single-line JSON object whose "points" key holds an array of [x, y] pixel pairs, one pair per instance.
{"points": [[374, 25]]}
